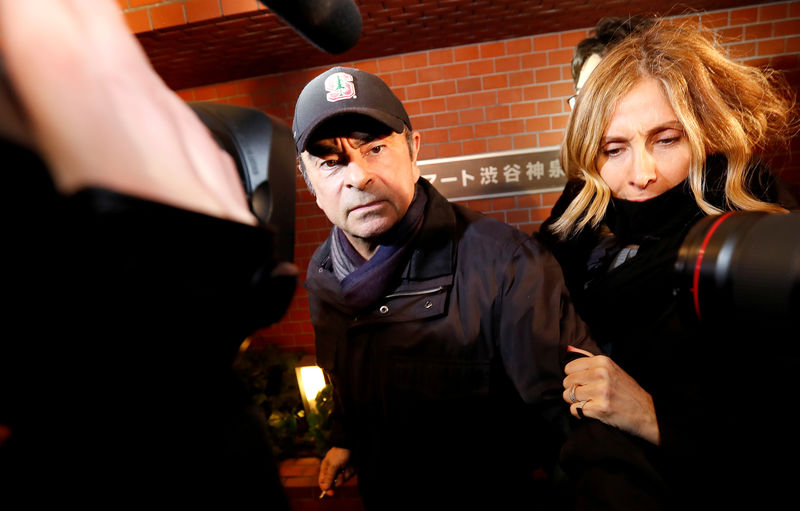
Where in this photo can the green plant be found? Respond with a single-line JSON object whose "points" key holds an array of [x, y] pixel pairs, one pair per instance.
{"points": [[269, 376]]}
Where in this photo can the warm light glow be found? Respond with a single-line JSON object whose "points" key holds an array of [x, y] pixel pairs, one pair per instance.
{"points": [[311, 382]]}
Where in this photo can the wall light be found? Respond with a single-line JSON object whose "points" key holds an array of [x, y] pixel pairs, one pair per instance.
{"points": [[311, 380]]}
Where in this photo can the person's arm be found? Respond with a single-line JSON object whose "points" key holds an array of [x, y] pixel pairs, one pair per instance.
{"points": [[100, 116]]}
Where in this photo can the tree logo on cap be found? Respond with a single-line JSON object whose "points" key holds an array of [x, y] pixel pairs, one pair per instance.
{"points": [[340, 86]]}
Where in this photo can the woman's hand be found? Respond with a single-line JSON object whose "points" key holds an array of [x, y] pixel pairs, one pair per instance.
{"points": [[602, 390]]}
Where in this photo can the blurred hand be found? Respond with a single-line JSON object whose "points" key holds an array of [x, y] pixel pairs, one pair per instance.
{"points": [[611, 396], [335, 469], [99, 115]]}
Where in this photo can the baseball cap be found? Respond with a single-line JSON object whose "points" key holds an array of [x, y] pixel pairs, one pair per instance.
{"points": [[345, 90]]}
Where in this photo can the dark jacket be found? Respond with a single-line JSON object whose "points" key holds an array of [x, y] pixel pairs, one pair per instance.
{"points": [[639, 316], [444, 383]]}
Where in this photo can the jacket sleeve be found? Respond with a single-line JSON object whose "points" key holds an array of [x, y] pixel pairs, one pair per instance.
{"points": [[537, 323]]}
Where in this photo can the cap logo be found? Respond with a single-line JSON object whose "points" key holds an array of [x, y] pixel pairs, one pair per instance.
{"points": [[340, 86]]}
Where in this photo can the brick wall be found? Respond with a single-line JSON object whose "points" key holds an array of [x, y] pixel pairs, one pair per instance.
{"points": [[470, 99]]}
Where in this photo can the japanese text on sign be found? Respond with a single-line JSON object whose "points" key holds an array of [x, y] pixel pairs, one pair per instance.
{"points": [[495, 174]]}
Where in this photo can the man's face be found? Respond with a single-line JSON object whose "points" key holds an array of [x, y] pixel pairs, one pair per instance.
{"points": [[363, 182]]}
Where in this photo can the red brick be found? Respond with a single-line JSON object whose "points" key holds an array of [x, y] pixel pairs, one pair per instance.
{"points": [[546, 42], [390, 64], [529, 200], [715, 19], [505, 64], [138, 21], [490, 50], [484, 205], [509, 95], [458, 102], [550, 107], [494, 113], [744, 16], [168, 15], [502, 203], [433, 105], [140, 3], [571, 39], [230, 7], [447, 119], [472, 116], [771, 47], [556, 57], [489, 129], [728, 35], [793, 44], [499, 144], [540, 214], [413, 107], [418, 91], [430, 74], [548, 74], [512, 126], [440, 56], [515, 46], [549, 199], [784, 28], [559, 122], [523, 110], [455, 71], [525, 141], [772, 12], [226, 89], [415, 60], [537, 124], [404, 78], [481, 67], [760, 31], [495, 81], [462, 133], [794, 10], [552, 138], [742, 50], [201, 10], [534, 60], [518, 216], [466, 53], [122, 4], [474, 146], [468, 85], [562, 89], [423, 122], [484, 98], [435, 136], [498, 215], [535, 92], [520, 78], [443, 88], [450, 150]]}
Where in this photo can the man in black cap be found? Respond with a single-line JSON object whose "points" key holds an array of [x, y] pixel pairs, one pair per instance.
{"points": [[444, 332]]}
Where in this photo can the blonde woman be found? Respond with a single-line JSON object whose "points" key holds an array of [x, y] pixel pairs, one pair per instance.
{"points": [[665, 130]]}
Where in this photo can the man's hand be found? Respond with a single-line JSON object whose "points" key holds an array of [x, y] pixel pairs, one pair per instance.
{"points": [[100, 116], [335, 469]]}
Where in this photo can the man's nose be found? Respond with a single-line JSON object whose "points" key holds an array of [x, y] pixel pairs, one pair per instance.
{"points": [[358, 173], [644, 168]]}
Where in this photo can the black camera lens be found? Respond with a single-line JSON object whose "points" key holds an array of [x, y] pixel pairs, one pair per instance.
{"points": [[741, 270]]}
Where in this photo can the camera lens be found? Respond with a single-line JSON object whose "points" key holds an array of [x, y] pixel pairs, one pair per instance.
{"points": [[741, 270]]}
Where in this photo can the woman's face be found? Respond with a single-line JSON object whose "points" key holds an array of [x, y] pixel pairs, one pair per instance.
{"points": [[644, 151]]}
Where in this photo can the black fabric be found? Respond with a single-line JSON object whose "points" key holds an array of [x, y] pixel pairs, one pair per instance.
{"points": [[709, 388], [115, 366], [448, 386]]}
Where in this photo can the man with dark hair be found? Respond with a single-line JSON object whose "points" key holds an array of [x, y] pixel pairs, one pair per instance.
{"points": [[608, 32], [444, 332]]}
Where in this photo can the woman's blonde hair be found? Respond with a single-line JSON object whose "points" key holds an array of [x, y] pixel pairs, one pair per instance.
{"points": [[725, 107]]}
